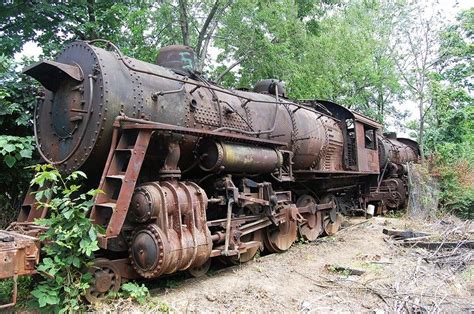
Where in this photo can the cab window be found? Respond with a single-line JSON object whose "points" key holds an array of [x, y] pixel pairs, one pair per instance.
{"points": [[369, 137]]}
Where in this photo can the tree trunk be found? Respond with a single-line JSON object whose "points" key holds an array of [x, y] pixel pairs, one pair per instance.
{"points": [[183, 20], [421, 130], [91, 13]]}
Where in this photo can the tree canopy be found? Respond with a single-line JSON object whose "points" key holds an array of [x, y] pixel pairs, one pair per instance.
{"points": [[369, 55]]}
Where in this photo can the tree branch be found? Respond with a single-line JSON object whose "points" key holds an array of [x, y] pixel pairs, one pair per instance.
{"points": [[401, 71], [233, 65], [207, 31], [203, 53], [205, 26]]}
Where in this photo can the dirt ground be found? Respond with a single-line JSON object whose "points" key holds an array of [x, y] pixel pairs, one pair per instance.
{"points": [[307, 278]]}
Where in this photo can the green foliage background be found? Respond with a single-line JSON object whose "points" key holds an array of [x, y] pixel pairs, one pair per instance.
{"points": [[325, 49], [450, 136], [17, 98]]}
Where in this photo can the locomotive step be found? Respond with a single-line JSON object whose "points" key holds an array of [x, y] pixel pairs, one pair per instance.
{"points": [[110, 205], [116, 177]]}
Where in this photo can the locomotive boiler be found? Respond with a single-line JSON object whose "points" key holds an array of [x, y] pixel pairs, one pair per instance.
{"points": [[193, 171]]}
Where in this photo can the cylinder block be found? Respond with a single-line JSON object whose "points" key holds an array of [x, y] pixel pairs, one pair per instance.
{"points": [[176, 236]]}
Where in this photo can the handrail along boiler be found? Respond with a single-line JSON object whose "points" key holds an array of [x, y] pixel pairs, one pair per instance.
{"points": [[192, 171]]}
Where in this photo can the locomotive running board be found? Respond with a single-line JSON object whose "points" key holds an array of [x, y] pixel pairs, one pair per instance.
{"points": [[132, 123]]}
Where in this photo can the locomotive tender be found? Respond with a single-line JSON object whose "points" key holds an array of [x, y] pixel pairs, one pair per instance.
{"points": [[193, 171]]}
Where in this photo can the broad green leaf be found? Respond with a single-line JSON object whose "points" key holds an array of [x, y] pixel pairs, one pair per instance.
{"points": [[76, 262], [52, 299], [68, 213], [92, 233], [10, 160], [9, 148], [25, 153]]}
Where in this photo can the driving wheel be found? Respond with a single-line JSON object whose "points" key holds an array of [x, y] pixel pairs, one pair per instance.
{"points": [[200, 271], [279, 238], [312, 227], [105, 278], [332, 226]]}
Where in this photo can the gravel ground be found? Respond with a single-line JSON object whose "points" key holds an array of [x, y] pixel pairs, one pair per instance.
{"points": [[316, 277]]}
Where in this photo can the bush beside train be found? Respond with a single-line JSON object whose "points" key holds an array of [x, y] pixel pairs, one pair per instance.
{"points": [[193, 171]]}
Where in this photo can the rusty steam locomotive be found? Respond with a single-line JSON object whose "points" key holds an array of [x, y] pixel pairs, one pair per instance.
{"points": [[193, 171]]}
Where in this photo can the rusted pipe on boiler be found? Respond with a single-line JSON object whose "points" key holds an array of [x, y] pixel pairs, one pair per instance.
{"points": [[269, 131]]}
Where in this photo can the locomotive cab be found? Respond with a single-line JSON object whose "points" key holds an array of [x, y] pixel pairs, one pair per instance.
{"points": [[360, 140], [366, 141]]}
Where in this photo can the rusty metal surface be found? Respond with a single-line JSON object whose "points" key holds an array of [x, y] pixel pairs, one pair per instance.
{"points": [[312, 228], [367, 158], [396, 151], [141, 90], [366, 120], [181, 59], [106, 278], [111, 207], [29, 209], [270, 86], [191, 170], [14, 294], [280, 238], [131, 123], [252, 243], [393, 192], [231, 157], [412, 144], [177, 238], [199, 271], [330, 156], [51, 74], [19, 254], [331, 227]]}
